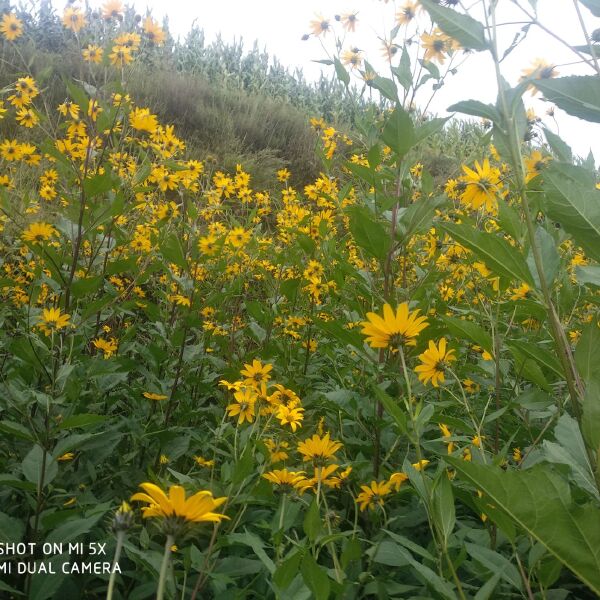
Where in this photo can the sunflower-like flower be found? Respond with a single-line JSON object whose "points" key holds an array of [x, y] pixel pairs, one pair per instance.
{"points": [[318, 449], [256, 373], [52, 319], [198, 508], [11, 27], [39, 232], [285, 480], [435, 360], [482, 186], [395, 328], [373, 495]]}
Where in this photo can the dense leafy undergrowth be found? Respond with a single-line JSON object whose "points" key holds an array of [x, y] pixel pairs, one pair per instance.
{"points": [[371, 387]]}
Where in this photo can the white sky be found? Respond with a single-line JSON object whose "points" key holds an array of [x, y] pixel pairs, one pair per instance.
{"points": [[278, 25]]}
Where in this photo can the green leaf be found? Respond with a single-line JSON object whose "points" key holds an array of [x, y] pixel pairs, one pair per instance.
{"points": [[73, 528], [392, 408], [539, 354], [460, 27], [575, 206], [11, 529], [369, 234], [496, 564], [590, 423], [172, 250], [341, 72], [16, 430], [312, 522], [33, 466], [549, 255], [528, 368], [476, 108], [386, 87], [99, 184], [510, 220], [593, 5], [287, 570], [399, 131], [389, 554], [464, 329], [560, 148], [253, 541], [403, 71], [497, 254], [417, 217], [588, 275], [442, 506], [539, 501], [587, 356], [431, 126], [577, 95], [569, 449], [82, 420], [315, 577]]}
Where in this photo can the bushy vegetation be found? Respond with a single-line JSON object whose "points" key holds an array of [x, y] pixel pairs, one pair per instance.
{"points": [[381, 384]]}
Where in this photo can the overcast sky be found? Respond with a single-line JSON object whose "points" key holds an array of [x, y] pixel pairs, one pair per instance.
{"points": [[278, 25]]}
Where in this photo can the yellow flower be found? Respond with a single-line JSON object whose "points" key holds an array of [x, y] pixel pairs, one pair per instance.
{"points": [[349, 21], [39, 232], [539, 69], [283, 175], [435, 360], [482, 186], [419, 466], [153, 396], [154, 32], [92, 54], [285, 480], [436, 46], [203, 462], [521, 293], [142, 120], [406, 13], [107, 347], [245, 401], [10, 150], [120, 56], [397, 479], [52, 319], [73, 19], [534, 164], [318, 449], [352, 57], [517, 455], [373, 495], [67, 456], [256, 373], [112, 9], [394, 329], [446, 434], [11, 27], [290, 416], [238, 237], [320, 25], [196, 509]]}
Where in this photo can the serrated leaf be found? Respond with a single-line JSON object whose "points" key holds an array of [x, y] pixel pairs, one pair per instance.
{"points": [[315, 577], [569, 449], [593, 6], [368, 233], [312, 522], [468, 330], [461, 27], [577, 95], [575, 206], [34, 466], [475, 108], [399, 131], [560, 148], [386, 87], [497, 254], [341, 72], [540, 502]]}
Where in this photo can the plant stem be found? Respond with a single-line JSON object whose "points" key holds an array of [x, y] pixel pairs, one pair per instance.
{"points": [[113, 572], [164, 567]]}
